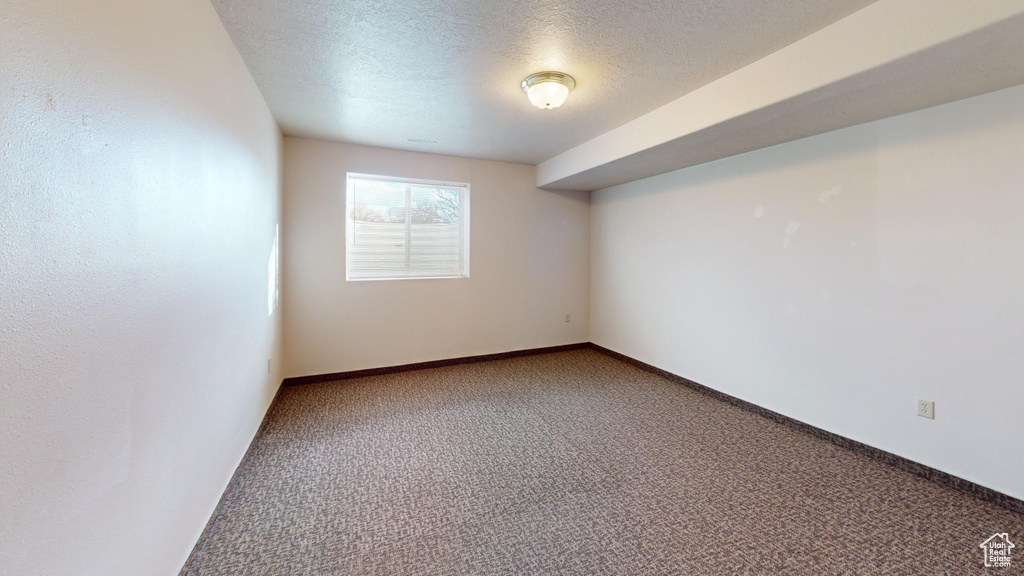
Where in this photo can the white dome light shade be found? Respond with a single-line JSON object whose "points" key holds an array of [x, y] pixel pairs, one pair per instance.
{"points": [[547, 94], [548, 90]]}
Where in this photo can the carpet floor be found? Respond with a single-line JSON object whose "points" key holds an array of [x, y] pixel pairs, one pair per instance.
{"points": [[570, 463]]}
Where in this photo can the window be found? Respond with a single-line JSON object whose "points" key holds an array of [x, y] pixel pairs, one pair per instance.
{"points": [[401, 228]]}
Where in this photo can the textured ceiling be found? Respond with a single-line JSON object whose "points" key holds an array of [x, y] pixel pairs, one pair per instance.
{"points": [[380, 72]]}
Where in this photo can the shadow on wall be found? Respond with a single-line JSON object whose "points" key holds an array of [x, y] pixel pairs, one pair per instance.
{"points": [[877, 135]]}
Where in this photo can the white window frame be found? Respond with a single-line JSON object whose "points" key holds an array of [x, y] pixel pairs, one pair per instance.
{"points": [[464, 196]]}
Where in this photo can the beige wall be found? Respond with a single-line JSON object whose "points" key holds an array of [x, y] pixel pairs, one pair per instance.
{"points": [[529, 267], [139, 180], [839, 278]]}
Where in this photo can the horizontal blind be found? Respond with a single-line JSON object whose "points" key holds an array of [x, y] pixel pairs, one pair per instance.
{"points": [[406, 229]]}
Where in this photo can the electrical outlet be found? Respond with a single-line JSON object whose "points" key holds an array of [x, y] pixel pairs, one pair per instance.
{"points": [[926, 408], [566, 317]]}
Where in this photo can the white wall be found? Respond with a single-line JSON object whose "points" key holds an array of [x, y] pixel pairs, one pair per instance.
{"points": [[839, 278], [139, 180], [529, 266]]}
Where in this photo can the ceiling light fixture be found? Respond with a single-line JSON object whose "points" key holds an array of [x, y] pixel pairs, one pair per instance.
{"points": [[547, 90]]}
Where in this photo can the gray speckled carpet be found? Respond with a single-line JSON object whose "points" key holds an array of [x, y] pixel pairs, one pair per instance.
{"points": [[570, 463]]}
